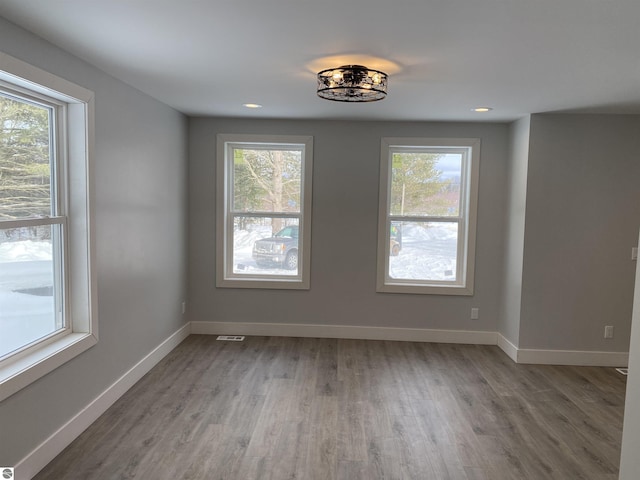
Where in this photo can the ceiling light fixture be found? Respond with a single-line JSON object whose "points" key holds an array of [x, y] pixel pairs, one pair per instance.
{"points": [[352, 83], [482, 109], [252, 105]]}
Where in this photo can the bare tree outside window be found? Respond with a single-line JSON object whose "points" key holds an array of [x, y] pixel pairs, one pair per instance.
{"points": [[267, 181]]}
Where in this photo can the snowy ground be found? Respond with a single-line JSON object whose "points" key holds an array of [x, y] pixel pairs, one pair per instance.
{"points": [[24, 317], [427, 253]]}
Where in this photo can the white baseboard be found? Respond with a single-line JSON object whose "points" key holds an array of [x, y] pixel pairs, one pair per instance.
{"points": [[518, 355], [562, 357], [29, 466], [344, 331], [507, 347], [573, 357]]}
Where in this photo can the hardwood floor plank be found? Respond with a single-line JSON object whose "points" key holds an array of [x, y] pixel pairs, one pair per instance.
{"points": [[384, 458], [413, 461], [352, 442], [475, 473], [322, 453], [273, 417], [351, 470], [255, 468], [327, 369], [290, 455]]}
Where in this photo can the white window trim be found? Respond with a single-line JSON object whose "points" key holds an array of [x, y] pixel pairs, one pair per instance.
{"points": [[466, 250], [24, 368], [224, 274]]}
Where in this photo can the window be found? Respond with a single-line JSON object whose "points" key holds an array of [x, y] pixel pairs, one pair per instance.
{"points": [[32, 222], [47, 289], [426, 231], [264, 211]]}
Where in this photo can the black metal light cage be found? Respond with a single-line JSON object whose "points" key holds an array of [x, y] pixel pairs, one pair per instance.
{"points": [[352, 83]]}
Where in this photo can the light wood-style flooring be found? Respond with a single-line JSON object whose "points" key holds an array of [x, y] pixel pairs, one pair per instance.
{"points": [[323, 409]]}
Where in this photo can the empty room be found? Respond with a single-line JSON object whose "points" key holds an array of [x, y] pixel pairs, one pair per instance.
{"points": [[332, 240]]}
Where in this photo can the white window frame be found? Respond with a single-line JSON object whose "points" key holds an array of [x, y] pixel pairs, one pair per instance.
{"points": [[74, 172], [467, 219], [225, 215]]}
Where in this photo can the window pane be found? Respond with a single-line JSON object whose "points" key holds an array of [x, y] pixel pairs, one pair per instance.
{"points": [[265, 246], [423, 251], [25, 171], [27, 288], [266, 180], [425, 184]]}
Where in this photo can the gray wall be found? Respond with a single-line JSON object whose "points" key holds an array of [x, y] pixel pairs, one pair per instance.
{"points": [[509, 324], [558, 215], [345, 217], [582, 218], [141, 225], [630, 460]]}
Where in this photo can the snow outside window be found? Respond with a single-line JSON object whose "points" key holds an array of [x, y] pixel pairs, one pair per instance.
{"points": [[264, 211], [47, 289], [426, 234]]}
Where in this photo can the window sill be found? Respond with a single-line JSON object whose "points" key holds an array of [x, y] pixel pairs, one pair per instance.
{"points": [[26, 370], [425, 289], [273, 284]]}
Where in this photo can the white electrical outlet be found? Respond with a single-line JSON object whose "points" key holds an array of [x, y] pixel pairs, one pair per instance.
{"points": [[475, 313], [184, 307], [608, 331]]}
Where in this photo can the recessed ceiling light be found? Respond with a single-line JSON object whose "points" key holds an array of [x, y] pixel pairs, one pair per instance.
{"points": [[252, 105], [482, 109]]}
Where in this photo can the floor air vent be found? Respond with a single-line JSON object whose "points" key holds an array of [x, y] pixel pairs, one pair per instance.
{"points": [[231, 338]]}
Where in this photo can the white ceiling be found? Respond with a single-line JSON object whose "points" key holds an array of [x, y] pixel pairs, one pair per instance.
{"points": [[444, 57]]}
